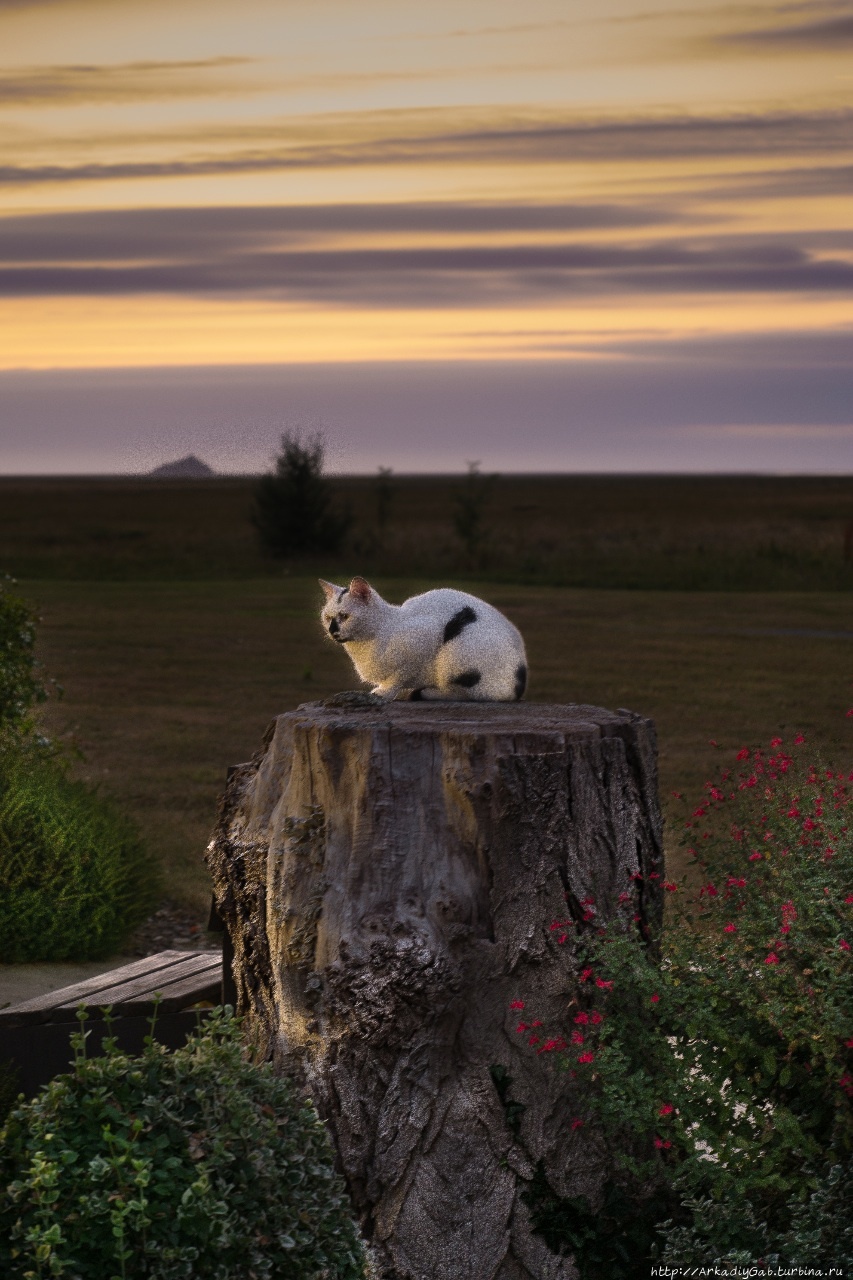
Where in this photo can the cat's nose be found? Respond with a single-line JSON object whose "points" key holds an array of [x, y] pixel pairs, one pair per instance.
{"points": [[334, 627]]}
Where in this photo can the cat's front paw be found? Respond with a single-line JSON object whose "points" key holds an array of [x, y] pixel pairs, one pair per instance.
{"points": [[384, 692]]}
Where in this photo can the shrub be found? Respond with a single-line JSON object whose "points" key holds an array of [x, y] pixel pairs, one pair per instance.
{"points": [[20, 686], [193, 1164], [74, 878], [720, 1076], [293, 509]]}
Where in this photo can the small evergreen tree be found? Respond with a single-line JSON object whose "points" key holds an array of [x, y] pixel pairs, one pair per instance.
{"points": [[469, 502], [293, 509]]}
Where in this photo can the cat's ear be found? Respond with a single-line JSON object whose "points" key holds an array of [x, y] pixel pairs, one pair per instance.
{"points": [[361, 590], [330, 591]]}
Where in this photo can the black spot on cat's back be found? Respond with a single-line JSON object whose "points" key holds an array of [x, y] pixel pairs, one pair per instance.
{"points": [[467, 679], [520, 680], [458, 622], [417, 695]]}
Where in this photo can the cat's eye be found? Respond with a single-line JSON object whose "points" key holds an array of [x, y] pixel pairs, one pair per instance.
{"points": [[342, 617]]}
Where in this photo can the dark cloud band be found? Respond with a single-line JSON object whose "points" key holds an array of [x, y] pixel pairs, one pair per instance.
{"points": [[403, 139]]}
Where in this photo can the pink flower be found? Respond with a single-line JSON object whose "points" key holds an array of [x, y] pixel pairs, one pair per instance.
{"points": [[624, 897], [550, 1045], [709, 890], [582, 1018], [522, 1026], [604, 984], [844, 946], [743, 754], [517, 1004], [587, 1057], [775, 742], [654, 998], [798, 739], [849, 898], [661, 1145], [577, 1123], [849, 713], [712, 742], [585, 975], [736, 882], [754, 857], [597, 1017], [772, 958], [577, 1037], [667, 1109], [533, 1040], [730, 928]]}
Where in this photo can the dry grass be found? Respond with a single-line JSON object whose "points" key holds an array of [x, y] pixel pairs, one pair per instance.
{"points": [[167, 683]]}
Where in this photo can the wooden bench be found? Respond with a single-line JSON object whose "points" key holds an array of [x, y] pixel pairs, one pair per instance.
{"points": [[34, 1034]]}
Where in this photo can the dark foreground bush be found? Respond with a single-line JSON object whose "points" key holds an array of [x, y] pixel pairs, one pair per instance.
{"points": [[193, 1164], [74, 877]]}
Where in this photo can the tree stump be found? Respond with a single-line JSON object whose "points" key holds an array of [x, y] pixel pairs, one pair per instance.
{"points": [[389, 876]]}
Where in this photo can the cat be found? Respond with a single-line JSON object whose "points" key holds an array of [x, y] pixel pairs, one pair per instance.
{"points": [[443, 644]]}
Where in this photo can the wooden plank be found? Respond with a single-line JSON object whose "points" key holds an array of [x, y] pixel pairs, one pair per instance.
{"points": [[143, 987], [40, 1008], [205, 985]]}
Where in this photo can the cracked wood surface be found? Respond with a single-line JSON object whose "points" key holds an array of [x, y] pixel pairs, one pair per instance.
{"points": [[389, 875]]}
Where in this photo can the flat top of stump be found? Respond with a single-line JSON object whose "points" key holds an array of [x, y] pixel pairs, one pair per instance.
{"points": [[573, 719]]}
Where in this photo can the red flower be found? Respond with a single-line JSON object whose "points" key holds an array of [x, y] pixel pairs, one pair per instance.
{"points": [[849, 898], [585, 975], [710, 890], [743, 754], [670, 886], [661, 1145], [522, 1026], [712, 742], [550, 1045], [605, 985], [772, 958], [730, 928], [736, 882], [654, 999], [577, 1037], [844, 946], [587, 1057], [597, 1017], [775, 742], [667, 1109], [577, 1123], [848, 1044], [849, 713], [517, 1004], [798, 739], [533, 1040], [624, 897], [754, 857], [582, 1018]]}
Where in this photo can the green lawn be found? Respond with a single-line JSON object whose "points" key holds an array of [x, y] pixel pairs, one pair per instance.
{"points": [[167, 683]]}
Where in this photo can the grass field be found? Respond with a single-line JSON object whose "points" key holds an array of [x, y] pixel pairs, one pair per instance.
{"points": [[169, 682], [634, 532], [177, 641]]}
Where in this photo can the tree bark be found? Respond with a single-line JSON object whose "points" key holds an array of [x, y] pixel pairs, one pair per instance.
{"points": [[389, 876]]}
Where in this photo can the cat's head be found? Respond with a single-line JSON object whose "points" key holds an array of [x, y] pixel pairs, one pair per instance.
{"points": [[349, 612]]}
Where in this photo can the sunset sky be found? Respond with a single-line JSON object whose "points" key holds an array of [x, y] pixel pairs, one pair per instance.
{"points": [[557, 236]]}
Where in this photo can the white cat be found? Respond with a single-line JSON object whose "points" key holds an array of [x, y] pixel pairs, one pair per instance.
{"points": [[443, 644]]}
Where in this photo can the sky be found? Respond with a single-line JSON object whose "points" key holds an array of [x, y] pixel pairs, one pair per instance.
{"points": [[561, 237]]}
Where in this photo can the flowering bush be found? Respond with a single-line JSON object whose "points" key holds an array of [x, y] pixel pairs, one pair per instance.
{"points": [[720, 1073]]}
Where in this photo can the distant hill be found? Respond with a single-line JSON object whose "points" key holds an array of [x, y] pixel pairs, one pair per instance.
{"points": [[188, 468]]}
